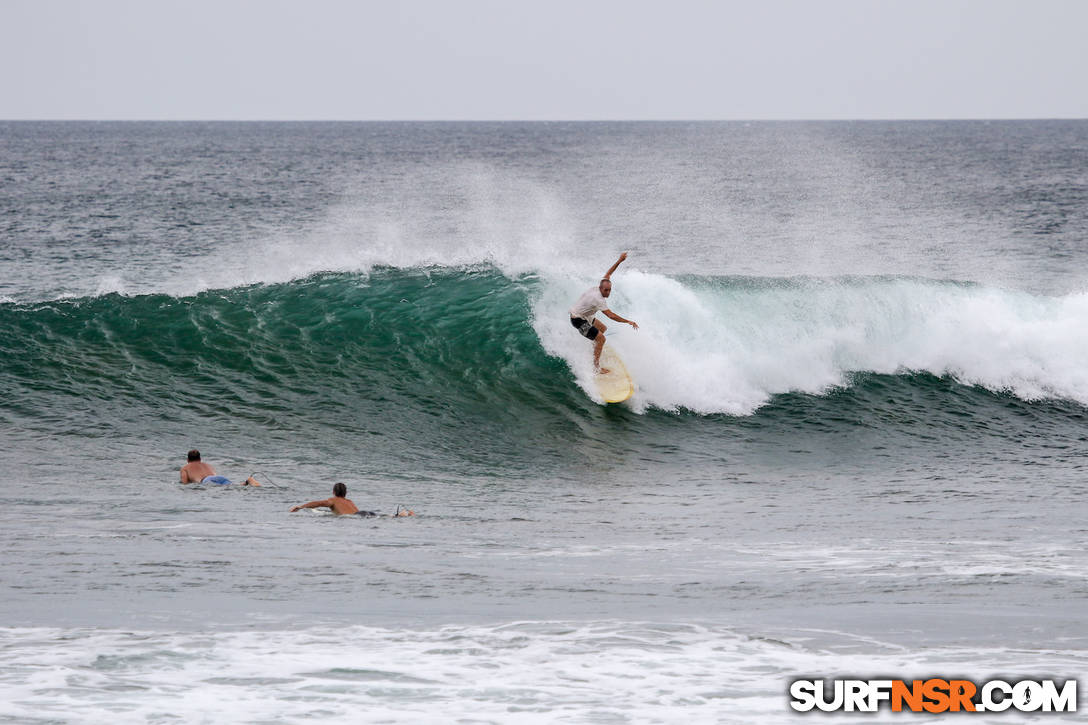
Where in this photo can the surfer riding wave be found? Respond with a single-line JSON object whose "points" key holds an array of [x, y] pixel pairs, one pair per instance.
{"points": [[592, 301]]}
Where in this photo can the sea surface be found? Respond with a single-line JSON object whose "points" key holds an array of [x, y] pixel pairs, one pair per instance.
{"points": [[858, 445]]}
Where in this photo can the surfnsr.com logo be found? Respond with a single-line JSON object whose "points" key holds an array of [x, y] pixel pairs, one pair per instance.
{"points": [[934, 695]]}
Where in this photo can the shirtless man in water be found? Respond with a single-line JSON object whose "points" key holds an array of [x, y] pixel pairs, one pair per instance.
{"points": [[592, 301], [197, 471], [342, 505]]}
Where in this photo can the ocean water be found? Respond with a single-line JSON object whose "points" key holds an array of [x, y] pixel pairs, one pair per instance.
{"points": [[857, 447]]}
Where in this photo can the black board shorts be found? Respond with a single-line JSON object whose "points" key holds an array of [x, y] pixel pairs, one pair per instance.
{"points": [[584, 326]]}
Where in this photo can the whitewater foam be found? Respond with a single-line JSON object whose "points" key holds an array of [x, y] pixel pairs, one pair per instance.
{"points": [[531, 672], [728, 345]]}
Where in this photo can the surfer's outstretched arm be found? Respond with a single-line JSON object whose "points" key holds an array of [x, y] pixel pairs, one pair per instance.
{"points": [[313, 505], [612, 269], [612, 315]]}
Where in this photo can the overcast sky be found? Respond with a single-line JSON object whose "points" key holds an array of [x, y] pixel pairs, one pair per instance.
{"points": [[548, 59]]}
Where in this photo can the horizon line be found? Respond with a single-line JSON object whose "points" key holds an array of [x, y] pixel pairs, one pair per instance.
{"points": [[544, 120]]}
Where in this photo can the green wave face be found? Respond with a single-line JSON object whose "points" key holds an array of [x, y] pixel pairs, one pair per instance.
{"points": [[425, 361]]}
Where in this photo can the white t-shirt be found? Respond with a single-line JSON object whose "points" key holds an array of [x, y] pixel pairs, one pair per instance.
{"points": [[590, 303]]}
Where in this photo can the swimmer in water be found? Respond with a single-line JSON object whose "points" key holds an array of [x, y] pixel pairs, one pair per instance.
{"points": [[344, 506], [197, 471]]}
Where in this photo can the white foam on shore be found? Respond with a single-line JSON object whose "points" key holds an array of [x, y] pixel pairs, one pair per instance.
{"points": [[525, 672]]}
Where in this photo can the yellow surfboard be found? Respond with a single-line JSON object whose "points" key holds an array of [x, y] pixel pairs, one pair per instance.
{"points": [[616, 386]]}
